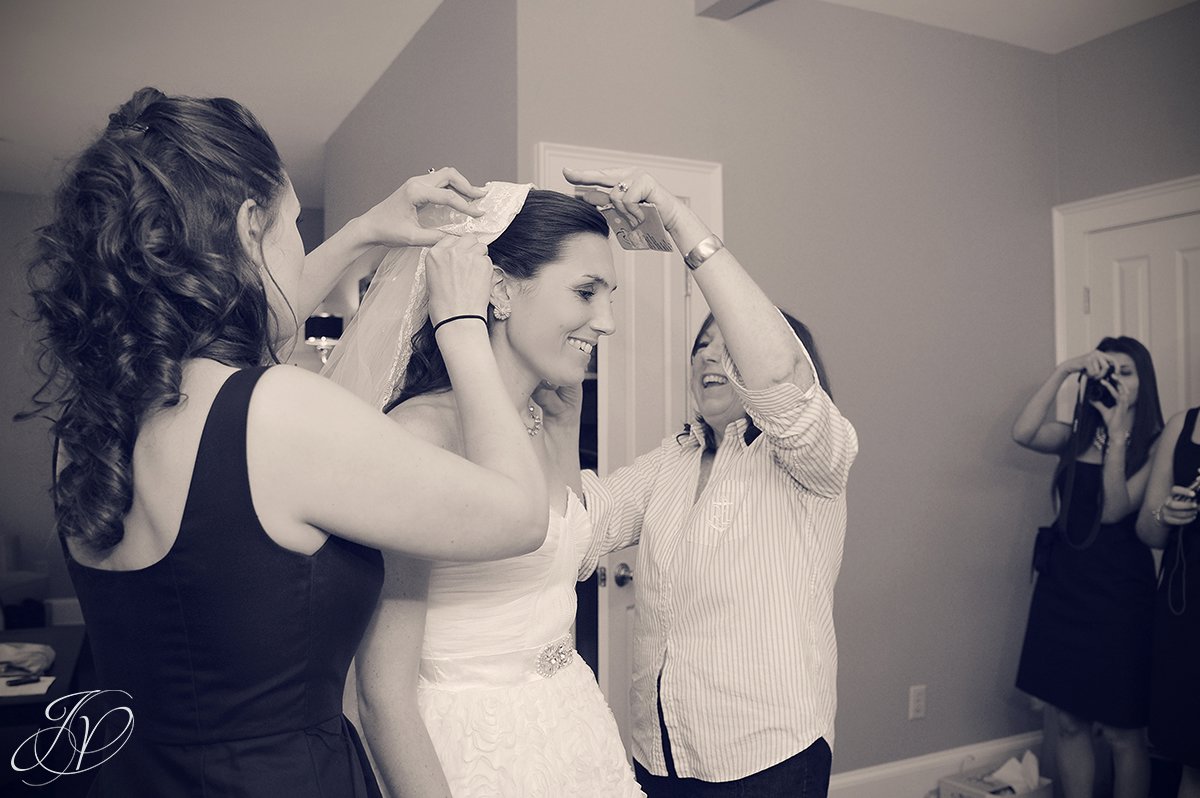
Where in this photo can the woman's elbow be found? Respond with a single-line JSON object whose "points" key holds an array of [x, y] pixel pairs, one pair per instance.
{"points": [[1150, 532], [372, 713], [1112, 513], [533, 532], [1022, 436], [526, 530], [785, 367]]}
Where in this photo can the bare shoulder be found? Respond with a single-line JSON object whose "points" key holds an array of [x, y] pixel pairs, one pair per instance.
{"points": [[300, 384], [1174, 428], [1175, 422], [297, 409], [433, 418]]}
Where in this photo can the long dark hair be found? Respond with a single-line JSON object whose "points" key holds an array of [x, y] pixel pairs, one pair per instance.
{"points": [[140, 269], [534, 238], [1147, 416], [752, 431]]}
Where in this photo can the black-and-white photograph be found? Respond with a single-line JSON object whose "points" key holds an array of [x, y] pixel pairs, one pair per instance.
{"points": [[571, 399]]}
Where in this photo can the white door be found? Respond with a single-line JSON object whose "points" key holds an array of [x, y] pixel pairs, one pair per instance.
{"points": [[642, 397], [1129, 264]]}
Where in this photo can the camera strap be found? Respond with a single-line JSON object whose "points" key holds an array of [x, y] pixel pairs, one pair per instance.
{"points": [[1069, 487]]}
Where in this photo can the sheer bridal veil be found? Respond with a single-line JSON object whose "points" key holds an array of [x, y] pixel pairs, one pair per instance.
{"points": [[373, 354]]}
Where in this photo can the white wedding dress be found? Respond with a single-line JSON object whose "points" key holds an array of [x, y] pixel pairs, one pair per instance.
{"points": [[511, 708]]}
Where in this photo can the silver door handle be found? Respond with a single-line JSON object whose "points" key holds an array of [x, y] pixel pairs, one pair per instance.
{"points": [[623, 575]]}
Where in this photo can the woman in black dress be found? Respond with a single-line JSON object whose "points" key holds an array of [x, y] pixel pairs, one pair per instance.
{"points": [[221, 518], [1087, 643], [1168, 521]]}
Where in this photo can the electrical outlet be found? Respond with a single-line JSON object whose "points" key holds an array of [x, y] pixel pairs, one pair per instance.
{"points": [[916, 702]]}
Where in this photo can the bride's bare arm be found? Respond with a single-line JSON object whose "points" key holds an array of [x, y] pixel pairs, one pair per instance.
{"points": [[389, 656], [387, 665]]}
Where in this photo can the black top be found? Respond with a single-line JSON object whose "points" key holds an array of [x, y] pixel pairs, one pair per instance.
{"points": [[1087, 642], [1175, 685], [233, 649]]}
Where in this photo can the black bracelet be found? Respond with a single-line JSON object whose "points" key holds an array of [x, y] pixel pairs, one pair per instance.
{"points": [[456, 318]]}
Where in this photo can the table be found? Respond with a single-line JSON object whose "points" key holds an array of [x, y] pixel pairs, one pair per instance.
{"points": [[67, 642], [21, 716]]}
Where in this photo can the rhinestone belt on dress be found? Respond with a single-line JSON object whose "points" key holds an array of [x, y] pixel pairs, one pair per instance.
{"points": [[556, 656]]}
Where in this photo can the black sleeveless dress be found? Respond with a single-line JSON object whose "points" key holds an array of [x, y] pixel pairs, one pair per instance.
{"points": [[232, 649], [1175, 687], [1087, 643]]}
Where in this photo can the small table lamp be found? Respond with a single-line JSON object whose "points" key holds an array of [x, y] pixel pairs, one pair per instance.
{"points": [[322, 332]]}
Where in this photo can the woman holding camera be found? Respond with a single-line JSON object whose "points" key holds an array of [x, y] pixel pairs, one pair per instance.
{"points": [[1087, 643], [1168, 521]]}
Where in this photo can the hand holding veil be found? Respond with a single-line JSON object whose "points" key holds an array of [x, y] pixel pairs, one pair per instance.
{"points": [[372, 356]]}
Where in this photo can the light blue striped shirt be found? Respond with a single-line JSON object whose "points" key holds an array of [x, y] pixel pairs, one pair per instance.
{"points": [[734, 593]]}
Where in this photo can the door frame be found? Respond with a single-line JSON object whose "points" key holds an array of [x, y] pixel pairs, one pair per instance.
{"points": [[1073, 224], [1075, 221]]}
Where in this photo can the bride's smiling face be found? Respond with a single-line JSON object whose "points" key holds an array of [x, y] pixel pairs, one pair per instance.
{"points": [[560, 313]]}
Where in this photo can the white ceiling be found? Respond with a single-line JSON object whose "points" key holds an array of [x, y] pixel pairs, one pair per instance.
{"points": [[302, 65], [1050, 26]]}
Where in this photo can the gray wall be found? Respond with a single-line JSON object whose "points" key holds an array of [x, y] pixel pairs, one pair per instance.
{"points": [[25, 508], [1129, 107], [447, 100], [312, 227]]}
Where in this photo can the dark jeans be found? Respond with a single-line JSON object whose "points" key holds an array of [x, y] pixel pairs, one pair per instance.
{"points": [[805, 775]]}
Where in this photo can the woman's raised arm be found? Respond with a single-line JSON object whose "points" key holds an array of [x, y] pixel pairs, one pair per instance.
{"points": [[391, 223], [759, 340]]}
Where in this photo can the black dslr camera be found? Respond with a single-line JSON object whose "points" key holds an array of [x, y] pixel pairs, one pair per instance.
{"points": [[1096, 392]]}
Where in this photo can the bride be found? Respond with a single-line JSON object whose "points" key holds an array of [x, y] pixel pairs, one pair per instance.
{"points": [[509, 708]]}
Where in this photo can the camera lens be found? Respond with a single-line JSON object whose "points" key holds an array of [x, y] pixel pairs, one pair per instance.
{"points": [[1095, 392]]}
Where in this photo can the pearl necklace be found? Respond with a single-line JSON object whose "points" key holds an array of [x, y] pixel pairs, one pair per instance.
{"points": [[537, 420]]}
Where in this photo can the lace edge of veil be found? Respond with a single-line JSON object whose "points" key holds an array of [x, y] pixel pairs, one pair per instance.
{"points": [[500, 205]]}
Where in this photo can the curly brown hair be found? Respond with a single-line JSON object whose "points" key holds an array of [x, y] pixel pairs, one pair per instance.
{"points": [[140, 269]]}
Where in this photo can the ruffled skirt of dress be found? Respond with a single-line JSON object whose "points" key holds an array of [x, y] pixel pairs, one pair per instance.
{"points": [[546, 738]]}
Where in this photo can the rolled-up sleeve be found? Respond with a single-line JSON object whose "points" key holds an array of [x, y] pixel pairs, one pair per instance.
{"points": [[808, 437], [616, 505]]}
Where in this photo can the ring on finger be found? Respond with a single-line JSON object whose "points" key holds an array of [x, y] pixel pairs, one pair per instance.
{"points": [[622, 186]]}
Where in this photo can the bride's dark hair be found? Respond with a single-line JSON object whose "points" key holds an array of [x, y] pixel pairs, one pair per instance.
{"points": [[534, 238], [140, 269]]}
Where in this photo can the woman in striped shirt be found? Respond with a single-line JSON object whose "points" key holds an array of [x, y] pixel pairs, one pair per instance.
{"points": [[741, 520]]}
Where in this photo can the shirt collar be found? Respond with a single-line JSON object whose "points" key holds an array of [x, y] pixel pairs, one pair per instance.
{"points": [[735, 429]]}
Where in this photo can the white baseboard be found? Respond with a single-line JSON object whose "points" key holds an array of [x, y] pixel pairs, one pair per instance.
{"points": [[917, 777]]}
